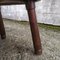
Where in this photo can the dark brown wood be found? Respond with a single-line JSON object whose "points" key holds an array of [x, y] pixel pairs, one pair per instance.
{"points": [[2, 29], [14, 2], [7, 2], [34, 27]]}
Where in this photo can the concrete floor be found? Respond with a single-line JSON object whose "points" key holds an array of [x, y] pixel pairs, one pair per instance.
{"points": [[18, 43]]}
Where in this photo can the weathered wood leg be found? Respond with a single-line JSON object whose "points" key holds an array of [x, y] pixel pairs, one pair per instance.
{"points": [[34, 27], [2, 29]]}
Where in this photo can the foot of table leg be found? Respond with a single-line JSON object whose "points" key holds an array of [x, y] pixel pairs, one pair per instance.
{"points": [[3, 36], [2, 29], [34, 27]]}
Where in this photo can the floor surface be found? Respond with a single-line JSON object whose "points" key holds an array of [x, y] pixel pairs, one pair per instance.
{"points": [[18, 43]]}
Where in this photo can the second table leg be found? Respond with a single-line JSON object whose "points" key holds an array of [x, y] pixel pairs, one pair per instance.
{"points": [[2, 29]]}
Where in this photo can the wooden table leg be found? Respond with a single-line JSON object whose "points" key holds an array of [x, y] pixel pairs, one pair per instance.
{"points": [[34, 27], [2, 29]]}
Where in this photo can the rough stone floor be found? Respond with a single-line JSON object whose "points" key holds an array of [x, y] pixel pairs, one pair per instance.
{"points": [[18, 43]]}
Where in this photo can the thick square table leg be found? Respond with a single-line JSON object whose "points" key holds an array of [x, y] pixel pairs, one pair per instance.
{"points": [[2, 29], [34, 27]]}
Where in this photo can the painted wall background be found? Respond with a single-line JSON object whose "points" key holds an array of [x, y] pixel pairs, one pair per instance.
{"points": [[47, 11]]}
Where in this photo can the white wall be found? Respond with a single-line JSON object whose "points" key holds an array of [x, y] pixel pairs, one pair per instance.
{"points": [[47, 11]]}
